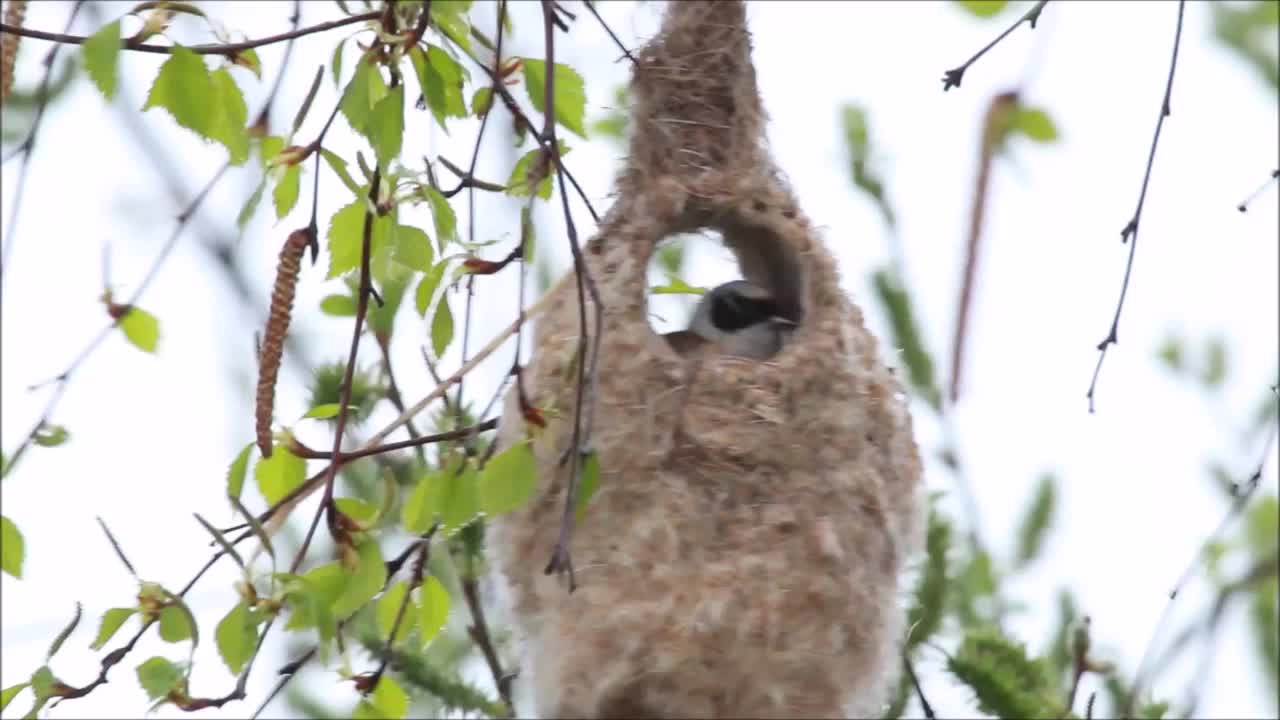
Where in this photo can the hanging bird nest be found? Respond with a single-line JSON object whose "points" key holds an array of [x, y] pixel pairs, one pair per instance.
{"points": [[741, 556]]}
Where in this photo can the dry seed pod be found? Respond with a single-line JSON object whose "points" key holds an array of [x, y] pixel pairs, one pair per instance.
{"points": [[287, 270], [743, 552]]}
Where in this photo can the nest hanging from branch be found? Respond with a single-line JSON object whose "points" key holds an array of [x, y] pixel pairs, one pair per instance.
{"points": [[741, 557]]}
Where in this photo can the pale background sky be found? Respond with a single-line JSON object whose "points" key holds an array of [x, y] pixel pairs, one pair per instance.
{"points": [[152, 436]]}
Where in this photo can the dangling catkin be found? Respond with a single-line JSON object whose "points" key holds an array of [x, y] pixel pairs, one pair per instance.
{"points": [[277, 328]]}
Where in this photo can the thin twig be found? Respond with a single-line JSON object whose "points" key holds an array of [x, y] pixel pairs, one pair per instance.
{"points": [[344, 394], [952, 78], [925, 707], [1244, 493], [207, 49], [28, 146], [1244, 206], [1130, 231], [62, 379], [561, 559], [591, 6]]}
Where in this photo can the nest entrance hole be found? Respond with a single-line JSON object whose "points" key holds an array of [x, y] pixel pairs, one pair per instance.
{"points": [[711, 256]]}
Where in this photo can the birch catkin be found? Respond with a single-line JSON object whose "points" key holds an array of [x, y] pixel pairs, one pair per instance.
{"points": [[277, 329]]}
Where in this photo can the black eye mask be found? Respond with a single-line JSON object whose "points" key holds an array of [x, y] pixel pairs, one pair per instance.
{"points": [[732, 311]]}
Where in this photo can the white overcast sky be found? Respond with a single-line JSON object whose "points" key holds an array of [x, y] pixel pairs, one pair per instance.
{"points": [[152, 436]]}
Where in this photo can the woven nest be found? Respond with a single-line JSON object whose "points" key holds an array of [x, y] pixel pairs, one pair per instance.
{"points": [[742, 555]]}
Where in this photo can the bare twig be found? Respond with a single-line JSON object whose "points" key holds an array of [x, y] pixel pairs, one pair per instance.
{"points": [[561, 560], [1244, 493], [925, 707], [62, 379], [1244, 206], [1130, 231], [591, 7], [29, 144], [952, 77], [208, 49]]}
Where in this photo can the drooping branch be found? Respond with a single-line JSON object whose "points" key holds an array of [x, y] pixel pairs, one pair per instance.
{"points": [[1130, 231]]}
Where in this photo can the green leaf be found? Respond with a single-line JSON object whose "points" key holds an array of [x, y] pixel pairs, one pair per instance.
{"points": [[184, 89], [158, 676], [433, 609], [339, 167], [357, 509], [1152, 711], [6, 695], [676, 286], [362, 583], [285, 194], [323, 412], [419, 509], [141, 328], [588, 484], [862, 168], [346, 237], [1034, 123], [1214, 369], [1006, 682], [1170, 353], [427, 287], [363, 93], [508, 479], [458, 496], [1264, 615], [61, 638], [386, 126], [249, 60], [235, 473], [1262, 525], [450, 17], [983, 8], [313, 595], [906, 336], [441, 327], [570, 95], [387, 701], [174, 624], [521, 183], [442, 215], [101, 55], [441, 80], [336, 62], [389, 608], [413, 248], [1036, 521], [279, 474], [925, 615], [12, 550], [51, 435], [209, 104], [482, 101], [229, 116], [111, 622], [1249, 30], [338, 306], [237, 637]]}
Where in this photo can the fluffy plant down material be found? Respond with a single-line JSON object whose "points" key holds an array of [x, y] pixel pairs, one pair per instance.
{"points": [[742, 556]]}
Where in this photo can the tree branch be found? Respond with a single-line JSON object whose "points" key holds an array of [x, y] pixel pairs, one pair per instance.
{"points": [[1130, 230]]}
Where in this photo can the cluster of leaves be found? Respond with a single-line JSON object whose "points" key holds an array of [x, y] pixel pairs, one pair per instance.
{"points": [[396, 499]]}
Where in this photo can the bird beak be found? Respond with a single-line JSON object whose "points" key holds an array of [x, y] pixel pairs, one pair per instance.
{"points": [[779, 320]]}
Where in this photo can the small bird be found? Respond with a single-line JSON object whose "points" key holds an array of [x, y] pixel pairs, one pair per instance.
{"points": [[737, 318]]}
